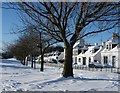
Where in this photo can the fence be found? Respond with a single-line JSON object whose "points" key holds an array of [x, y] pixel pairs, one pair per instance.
{"points": [[114, 70]]}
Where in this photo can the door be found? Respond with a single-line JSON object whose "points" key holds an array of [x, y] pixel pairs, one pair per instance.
{"points": [[113, 61], [84, 60], [75, 60]]}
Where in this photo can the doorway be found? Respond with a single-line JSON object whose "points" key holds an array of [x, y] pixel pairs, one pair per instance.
{"points": [[84, 60]]}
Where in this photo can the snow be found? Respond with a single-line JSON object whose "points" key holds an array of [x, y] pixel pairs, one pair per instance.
{"points": [[16, 77]]}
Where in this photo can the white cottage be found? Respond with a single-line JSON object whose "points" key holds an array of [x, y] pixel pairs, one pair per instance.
{"points": [[53, 57], [107, 54], [77, 48], [90, 54], [110, 55]]}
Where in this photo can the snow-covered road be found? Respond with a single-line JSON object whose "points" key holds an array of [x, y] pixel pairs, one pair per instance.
{"points": [[16, 77]]}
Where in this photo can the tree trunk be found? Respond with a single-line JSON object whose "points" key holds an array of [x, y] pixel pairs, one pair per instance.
{"points": [[32, 63], [68, 69], [42, 63]]}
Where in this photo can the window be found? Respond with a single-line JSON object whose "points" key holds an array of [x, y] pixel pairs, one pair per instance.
{"points": [[89, 59], [79, 59], [107, 47], [113, 61], [75, 52], [75, 59], [79, 51], [105, 60]]}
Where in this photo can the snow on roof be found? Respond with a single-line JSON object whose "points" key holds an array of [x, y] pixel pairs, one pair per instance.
{"points": [[85, 48], [89, 51], [76, 44]]}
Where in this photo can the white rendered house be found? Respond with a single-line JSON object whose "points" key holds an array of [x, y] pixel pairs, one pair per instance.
{"points": [[110, 56], [56, 56], [90, 54], [107, 54], [77, 49]]}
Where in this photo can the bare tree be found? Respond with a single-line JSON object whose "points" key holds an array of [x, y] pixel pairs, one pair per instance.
{"points": [[44, 44], [45, 41], [33, 31], [68, 22], [25, 45]]}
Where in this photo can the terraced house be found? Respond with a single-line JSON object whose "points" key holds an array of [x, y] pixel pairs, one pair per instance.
{"points": [[107, 54], [110, 55]]}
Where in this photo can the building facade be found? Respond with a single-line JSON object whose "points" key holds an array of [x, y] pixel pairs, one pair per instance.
{"points": [[110, 56], [107, 54], [90, 54]]}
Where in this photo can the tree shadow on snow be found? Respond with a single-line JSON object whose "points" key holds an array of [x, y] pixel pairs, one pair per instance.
{"points": [[14, 67], [9, 61], [10, 64], [78, 79]]}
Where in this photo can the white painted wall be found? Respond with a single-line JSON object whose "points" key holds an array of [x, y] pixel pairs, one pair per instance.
{"points": [[61, 56], [109, 53], [89, 54]]}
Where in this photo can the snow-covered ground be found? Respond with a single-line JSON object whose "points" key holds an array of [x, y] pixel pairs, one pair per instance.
{"points": [[16, 77]]}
